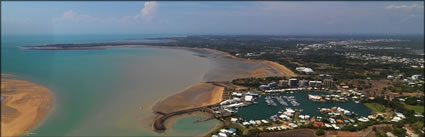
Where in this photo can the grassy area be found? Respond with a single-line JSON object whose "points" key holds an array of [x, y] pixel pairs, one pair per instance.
{"points": [[419, 109], [375, 107]]}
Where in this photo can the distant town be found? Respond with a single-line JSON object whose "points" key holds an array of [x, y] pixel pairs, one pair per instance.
{"points": [[383, 74]]}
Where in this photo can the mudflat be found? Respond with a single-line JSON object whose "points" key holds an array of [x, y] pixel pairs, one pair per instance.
{"points": [[24, 104], [201, 94]]}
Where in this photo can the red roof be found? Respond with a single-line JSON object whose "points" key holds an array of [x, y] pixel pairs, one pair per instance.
{"points": [[318, 124]]}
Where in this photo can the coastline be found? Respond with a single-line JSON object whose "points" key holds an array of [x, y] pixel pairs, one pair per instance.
{"points": [[281, 69], [195, 96], [24, 105]]}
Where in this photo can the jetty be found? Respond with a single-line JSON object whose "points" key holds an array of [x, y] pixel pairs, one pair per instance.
{"points": [[270, 101], [159, 123]]}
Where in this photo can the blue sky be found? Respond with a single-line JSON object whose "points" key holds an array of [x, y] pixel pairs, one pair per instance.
{"points": [[190, 17]]}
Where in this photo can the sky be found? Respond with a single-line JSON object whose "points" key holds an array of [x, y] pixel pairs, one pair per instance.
{"points": [[191, 17]]}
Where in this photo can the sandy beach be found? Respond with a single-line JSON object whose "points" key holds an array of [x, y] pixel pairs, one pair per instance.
{"points": [[201, 94], [24, 105]]}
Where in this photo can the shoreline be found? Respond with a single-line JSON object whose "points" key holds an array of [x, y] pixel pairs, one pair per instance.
{"points": [[24, 105], [179, 99], [198, 95], [281, 69]]}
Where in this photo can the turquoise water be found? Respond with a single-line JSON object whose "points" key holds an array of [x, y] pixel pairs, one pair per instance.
{"points": [[101, 92], [263, 111]]}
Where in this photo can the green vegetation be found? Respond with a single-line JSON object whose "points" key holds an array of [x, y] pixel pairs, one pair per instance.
{"points": [[398, 130], [417, 126], [375, 107], [320, 132], [399, 86], [419, 109]]}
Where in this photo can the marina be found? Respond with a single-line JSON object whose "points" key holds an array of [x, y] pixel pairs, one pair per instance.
{"points": [[299, 100]]}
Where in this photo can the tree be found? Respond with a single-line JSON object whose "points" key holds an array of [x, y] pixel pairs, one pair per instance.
{"points": [[320, 132]]}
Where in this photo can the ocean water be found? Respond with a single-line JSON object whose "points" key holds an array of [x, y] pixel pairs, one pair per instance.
{"points": [[104, 92]]}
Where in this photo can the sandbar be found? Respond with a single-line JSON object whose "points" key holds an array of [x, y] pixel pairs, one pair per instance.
{"points": [[199, 95], [24, 104]]}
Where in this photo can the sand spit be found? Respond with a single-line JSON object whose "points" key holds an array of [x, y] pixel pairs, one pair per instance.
{"points": [[266, 68], [24, 105], [199, 95]]}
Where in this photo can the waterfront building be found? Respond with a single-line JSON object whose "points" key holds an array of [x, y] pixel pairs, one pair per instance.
{"points": [[248, 98], [283, 83], [328, 83], [303, 83], [316, 84], [293, 83]]}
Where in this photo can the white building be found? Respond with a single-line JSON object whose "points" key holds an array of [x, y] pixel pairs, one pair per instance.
{"points": [[304, 70], [248, 98]]}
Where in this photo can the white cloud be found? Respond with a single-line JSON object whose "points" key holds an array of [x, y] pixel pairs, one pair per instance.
{"points": [[146, 14], [149, 9], [68, 15], [413, 6], [74, 17]]}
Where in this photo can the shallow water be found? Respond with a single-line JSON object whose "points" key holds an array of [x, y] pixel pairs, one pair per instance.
{"points": [[102, 92], [111, 92]]}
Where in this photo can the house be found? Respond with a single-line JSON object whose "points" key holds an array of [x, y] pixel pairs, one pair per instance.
{"points": [[292, 125], [390, 77], [363, 119], [222, 134], [318, 124], [416, 77], [396, 119], [252, 122], [233, 120], [335, 126], [328, 125]]}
